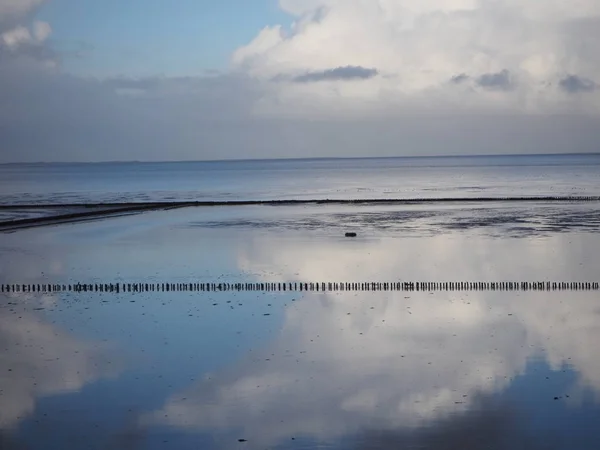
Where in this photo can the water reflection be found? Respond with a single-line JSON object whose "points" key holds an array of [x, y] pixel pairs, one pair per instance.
{"points": [[354, 370], [40, 359], [397, 368], [492, 426]]}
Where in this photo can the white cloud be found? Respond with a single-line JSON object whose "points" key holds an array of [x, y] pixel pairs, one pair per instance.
{"points": [[13, 38], [418, 47], [41, 30], [21, 35], [17, 8]]}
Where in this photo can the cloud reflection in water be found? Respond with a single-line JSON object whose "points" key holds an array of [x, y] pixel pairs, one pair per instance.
{"points": [[37, 358], [347, 363]]}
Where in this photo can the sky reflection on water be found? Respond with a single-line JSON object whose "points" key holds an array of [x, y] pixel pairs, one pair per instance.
{"points": [[345, 370]]}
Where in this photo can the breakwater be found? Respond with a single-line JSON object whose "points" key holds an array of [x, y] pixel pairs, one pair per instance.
{"points": [[348, 201], [330, 286]]}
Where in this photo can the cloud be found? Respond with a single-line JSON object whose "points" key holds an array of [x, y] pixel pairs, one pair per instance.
{"points": [[417, 48], [166, 118], [22, 36], [17, 12], [231, 116], [41, 30], [574, 84], [351, 363], [457, 79], [21, 40], [337, 74], [18, 8], [16, 36], [40, 359], [347, 76], [496, 81]]}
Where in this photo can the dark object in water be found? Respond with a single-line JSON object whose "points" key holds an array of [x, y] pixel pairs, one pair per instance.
{"points": [[350, 234]]}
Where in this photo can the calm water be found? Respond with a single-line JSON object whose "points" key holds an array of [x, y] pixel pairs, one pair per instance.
{"points": [[359, 370], [326, 178]]}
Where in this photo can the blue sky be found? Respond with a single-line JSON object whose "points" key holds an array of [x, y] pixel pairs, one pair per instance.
{"points": [[150, 37]]}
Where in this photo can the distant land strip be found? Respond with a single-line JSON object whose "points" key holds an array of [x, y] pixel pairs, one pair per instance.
{"points": [[410, 286], [100, 210]]}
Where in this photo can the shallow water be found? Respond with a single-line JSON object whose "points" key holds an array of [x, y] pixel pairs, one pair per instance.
{"points": [[480, 176], [356, 370]]}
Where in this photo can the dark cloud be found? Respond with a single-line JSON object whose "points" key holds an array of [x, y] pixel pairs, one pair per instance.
{"points": [[46, 115], [574, 84], [337, 74], [500, 81], [457, 79]]}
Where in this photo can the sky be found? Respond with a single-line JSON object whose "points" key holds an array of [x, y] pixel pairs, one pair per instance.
{"points": [[89, 80]]}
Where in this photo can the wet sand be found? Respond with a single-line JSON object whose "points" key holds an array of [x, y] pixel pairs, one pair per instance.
{"points": [[358, 370], [18, 216]]}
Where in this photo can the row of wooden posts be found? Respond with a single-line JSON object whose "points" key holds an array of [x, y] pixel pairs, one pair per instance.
{"points": [[310, 287]]}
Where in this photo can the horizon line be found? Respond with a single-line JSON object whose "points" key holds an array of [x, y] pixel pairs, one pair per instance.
{"points": [[324, 158]]}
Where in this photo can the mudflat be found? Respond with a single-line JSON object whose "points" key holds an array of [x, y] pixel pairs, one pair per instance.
{"points": [[304, 369]]}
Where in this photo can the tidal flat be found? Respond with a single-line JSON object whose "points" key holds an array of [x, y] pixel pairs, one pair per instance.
{"points": [[298, 370]]}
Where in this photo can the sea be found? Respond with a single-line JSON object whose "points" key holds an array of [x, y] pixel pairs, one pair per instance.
{"points": [[368, 178], [256, 369]]}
